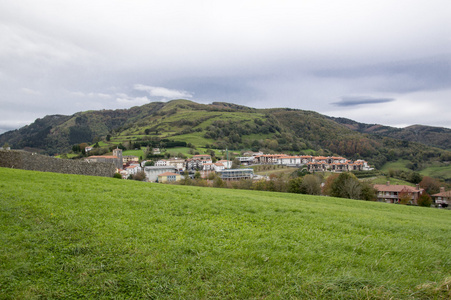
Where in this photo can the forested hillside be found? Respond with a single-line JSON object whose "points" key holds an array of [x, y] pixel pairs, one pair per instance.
{"points": [[224, 125], [428, 135]]}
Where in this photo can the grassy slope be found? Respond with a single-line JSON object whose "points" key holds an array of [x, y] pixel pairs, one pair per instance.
{"points": [[66, 236], [400, 164], [393, 181], [440, 172]]}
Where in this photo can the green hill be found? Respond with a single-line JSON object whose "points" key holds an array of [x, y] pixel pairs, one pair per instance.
{"points": [[67, 236], [427, 135], [224, 125]]}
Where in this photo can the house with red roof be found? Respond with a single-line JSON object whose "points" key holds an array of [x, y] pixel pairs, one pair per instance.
{"points": [[443, 198], [393, 193]]}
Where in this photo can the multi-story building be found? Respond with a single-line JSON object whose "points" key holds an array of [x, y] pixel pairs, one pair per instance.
{"points": [[236, 174]]}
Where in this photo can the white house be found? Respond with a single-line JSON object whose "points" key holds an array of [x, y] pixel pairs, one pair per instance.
{"points": [[161, 163], [203, 158], [178, 163], [133, 169], [227, 163], [246, 160], [289, 160], [219, 167], [208, 167], [197, 161]]}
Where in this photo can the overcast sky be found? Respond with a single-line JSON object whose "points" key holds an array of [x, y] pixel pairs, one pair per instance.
{"points": [[385, 62]]}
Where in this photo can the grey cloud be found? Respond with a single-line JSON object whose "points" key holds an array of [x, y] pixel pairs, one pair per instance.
{"points": [[216, 88], [158, 91], [60, 59], [429, 73], [354, 101]]}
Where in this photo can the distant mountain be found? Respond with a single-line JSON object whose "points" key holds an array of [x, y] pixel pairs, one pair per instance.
{"points": [[427, 135], [225, 125]]}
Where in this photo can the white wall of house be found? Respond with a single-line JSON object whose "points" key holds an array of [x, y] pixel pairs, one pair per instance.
{"points": [[161, 163]]}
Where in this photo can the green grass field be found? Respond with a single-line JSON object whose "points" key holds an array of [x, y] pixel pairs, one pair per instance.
{"points": [[441, 172], [400, 164], [393, 181], [72, 237]]}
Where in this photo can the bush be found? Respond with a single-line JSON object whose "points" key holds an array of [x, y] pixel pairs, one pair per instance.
{"points": [[424, 200], [117, 175]]}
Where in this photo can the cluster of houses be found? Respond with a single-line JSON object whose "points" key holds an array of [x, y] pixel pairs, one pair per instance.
{"points": [[312, 163], [173, 169], [130, 165]]}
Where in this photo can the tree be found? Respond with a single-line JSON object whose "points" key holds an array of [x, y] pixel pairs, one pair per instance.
{"points": [[294, 185], [327, 189], [140, 176], [405, 197], [352, 188], [346, 185], [218, 182], [424, 200], [186, 179], [76, 148], [236, 163], [368, 193], [311, 185], [430, 185], [415, 177]]}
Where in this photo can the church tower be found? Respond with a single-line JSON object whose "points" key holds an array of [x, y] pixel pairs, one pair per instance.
{"points": [[118, 153]]}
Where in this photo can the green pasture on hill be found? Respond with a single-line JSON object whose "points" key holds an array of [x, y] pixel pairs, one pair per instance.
{"points": [[400, 164], [72, 237], [393, 181], [438, 171]]}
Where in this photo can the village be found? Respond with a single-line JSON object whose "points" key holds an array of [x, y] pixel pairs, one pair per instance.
{"points": [[172, 169], [175, 169]]}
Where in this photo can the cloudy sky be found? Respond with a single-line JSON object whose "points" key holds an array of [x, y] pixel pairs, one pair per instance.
{"points": [[386, 62]]}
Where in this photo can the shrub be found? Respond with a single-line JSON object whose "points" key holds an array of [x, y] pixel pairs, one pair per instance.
{"points": [[424, 200]]}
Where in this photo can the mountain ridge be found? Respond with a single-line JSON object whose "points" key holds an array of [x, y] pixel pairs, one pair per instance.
{"points": [[226, 125], [428, 135]]}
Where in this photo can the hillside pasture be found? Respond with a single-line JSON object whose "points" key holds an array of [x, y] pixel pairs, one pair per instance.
{"points": [[67, 236], [440, 172], [400, 164]]}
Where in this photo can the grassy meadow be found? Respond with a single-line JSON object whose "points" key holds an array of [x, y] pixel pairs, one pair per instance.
{"points": [[435, 170], [71, 237]]}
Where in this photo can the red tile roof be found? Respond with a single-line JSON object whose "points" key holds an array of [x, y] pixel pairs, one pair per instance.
{"points": [[395, 188], [442, 194]]}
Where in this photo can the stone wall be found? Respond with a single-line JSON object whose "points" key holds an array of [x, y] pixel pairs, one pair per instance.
{"points": [[36, 162]]}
